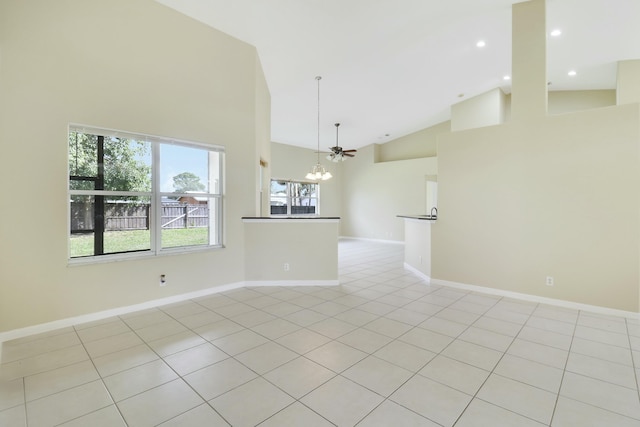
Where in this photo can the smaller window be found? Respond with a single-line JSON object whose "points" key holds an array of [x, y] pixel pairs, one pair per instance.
{"points": [[294, 198]]}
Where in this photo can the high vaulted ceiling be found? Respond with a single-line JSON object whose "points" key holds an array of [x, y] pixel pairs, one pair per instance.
{"points": [[393, 67]]}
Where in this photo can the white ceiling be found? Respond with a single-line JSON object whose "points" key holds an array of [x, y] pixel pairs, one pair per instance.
{"points": [[393, 67]]}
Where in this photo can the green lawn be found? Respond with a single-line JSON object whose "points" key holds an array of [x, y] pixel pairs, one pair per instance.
{"points": [[136, 240]]}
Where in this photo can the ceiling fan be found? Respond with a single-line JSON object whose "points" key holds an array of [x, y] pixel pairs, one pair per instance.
{"points": [[337, 154]]}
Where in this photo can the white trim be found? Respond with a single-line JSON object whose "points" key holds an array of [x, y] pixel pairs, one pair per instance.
{"points": [[291, 220], [70, 321], [538, 299], [418, 272], [256, 283], [365, 239]]}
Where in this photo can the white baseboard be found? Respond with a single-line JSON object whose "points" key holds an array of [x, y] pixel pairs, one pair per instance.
{"points": [[255, 283], [417, 272], [91, 317], [538, 299], [365, 239]]}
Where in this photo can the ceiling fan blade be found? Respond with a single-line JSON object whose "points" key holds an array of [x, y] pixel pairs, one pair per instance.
{"points": [[348, 154]]}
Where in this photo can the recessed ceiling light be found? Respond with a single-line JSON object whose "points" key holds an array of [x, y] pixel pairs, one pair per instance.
{"points": [[572, 73], [461, 95], [506, 78], [481, 43], [556, 32]]}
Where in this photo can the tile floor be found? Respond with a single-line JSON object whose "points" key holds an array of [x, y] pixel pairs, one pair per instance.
{"points": [[382, 349]]}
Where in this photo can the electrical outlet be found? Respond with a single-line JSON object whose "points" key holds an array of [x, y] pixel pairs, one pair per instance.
{"points": [[549, 281], [285, 266], [163, 280]]}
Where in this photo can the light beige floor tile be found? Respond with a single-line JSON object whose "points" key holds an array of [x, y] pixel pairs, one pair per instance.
{"points": [[159, 404], [161, 330], [330, 308], [606, 337], [395, 300], [481, 299], [175, 343], [332, 328], [341, 401], [336, 356], [530, 372], [296, 415], [516, 306], [234, 309], [124, 359], [24, 349], [182, 309], [112, 344], [571, 413], [602, 351], [281, 308], [606, 323], [105, 417], [276, 328], [455, 374], [473, 354], [266, 357], [433, 400], [407, 356], [305, 317], [266, 400], [388, 327], [252, 318], [458, 315], [424, 307], [518, 397], [303, 340], [200, 319], [365, 340], [216, 330], [42, 363], [67, 405], [443, 326], [357, 317], [50, 382], [500, 326], [507, 315], [556, 326], [11, 393], [195, 358], [426, 339], [602, 370], [604, 395], [139, 379], [552, 339], [557, 313], [299, 376], [239, 342], [412, 318], [469, 307], [214, 301], [378, 375], [539, 353], [115, 327], [482, 414], [392, 414], [219, 378], [306, 301], [15, 416], [143, 319], [378, 308], [199, 416], [262, 301], [486, 338]]}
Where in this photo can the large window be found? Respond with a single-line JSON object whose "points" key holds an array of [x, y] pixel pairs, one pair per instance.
{"points": [[135, 193], [294, 198]]}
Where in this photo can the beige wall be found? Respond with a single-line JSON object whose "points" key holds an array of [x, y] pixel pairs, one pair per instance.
{"points": [[413, 146], [570, 101], [293, 163], [374, 193], [132, 65], [555, 196], [273, 242], [486, 109]]}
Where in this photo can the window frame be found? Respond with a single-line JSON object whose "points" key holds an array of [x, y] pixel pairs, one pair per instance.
{"points": [[289, 197], [215, 196]]}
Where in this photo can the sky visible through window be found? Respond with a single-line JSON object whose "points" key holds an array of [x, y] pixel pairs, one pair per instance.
{"points": [[176, 159]]}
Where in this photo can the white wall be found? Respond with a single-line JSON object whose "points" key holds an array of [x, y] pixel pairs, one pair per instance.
{"points": [[132, 65]]}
